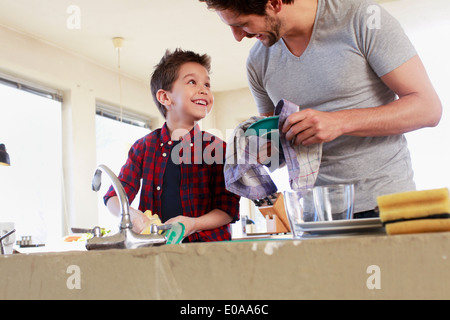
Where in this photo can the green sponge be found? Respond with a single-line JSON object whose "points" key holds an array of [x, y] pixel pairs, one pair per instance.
{"points": [[175, 234]]}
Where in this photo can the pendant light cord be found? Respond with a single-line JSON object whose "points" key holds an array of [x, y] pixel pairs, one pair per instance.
{"points": [[120, 85]]}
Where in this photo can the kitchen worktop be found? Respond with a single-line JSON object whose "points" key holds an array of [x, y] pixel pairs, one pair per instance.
{"points": [[363, 267]]}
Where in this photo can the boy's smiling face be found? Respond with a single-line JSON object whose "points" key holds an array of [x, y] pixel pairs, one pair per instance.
{"points": [[190, 99]]}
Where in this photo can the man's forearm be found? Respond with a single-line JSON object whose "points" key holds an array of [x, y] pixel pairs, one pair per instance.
{"points": [[406, 114]]}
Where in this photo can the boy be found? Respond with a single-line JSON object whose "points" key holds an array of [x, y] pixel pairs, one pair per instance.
{"points": [[186, 185]]}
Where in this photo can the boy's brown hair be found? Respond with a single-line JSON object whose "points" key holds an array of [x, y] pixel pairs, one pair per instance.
{"points": [[166, 71], [246, 7]]}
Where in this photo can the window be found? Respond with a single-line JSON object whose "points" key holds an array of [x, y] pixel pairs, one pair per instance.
{"points": [[31, 188], [115, 136]]}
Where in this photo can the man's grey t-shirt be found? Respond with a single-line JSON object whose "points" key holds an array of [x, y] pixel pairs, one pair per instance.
{"points": [[353, 44]]}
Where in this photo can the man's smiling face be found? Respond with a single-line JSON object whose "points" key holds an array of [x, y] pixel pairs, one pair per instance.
{"points": [[266, 29]]}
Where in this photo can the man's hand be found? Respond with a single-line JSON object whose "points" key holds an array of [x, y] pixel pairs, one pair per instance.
{"points": [[311, 126]]}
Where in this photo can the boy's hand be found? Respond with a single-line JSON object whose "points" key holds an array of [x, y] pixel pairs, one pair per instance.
{"points": [[189, 224], [139, 220], [213, 219]]}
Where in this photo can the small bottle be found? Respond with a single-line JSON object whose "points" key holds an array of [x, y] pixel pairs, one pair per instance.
{"points": [[244, 225]]}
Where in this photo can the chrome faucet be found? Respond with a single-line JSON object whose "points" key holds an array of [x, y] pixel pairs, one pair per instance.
{"points": [[126, 238]]}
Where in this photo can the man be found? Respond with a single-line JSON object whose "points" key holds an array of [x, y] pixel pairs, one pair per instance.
{"points": [[357, 78]]}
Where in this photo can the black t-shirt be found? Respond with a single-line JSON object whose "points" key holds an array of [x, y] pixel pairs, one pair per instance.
{"points": [[170, 197]]}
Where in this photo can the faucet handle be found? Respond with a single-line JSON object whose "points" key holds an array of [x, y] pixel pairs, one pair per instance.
{"points": [[154, 228], [97, 231], [165, 227]]}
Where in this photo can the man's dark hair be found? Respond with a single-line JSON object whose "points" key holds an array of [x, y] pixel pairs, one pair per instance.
{"points": [[166, 71], [244, 7]]}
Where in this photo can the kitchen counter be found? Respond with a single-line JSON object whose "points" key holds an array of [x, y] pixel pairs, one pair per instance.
{"points": [[350, 267]]}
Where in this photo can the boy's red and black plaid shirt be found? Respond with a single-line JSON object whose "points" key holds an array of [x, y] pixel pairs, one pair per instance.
{"points": [[202, 186]]}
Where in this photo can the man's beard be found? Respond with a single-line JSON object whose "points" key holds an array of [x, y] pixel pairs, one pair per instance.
{"points": [[274, 35]]}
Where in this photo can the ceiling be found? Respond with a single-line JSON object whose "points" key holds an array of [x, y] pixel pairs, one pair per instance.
{"points": [[148, 27]]}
